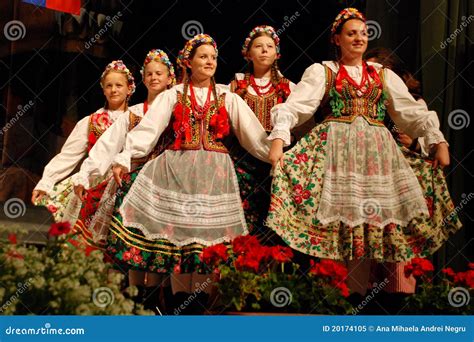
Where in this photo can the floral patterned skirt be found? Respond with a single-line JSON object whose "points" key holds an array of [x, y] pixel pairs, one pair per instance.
{"points": [[296, 198], [95, 214], [62, 202], [254, 181], [129, 248]]}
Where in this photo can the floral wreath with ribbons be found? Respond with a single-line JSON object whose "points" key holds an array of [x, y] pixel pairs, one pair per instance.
{"points": [[160, 56], [343, 16], [261, 29], [119, 66]]}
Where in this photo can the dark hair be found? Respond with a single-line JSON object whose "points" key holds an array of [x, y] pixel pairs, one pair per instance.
{"points": [[388, 59], [186, 76], [337, 51]]}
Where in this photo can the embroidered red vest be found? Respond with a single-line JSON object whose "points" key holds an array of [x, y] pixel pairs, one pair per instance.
{"points": [[98, 124], [348, 103], [192, 133], [261, 105]]}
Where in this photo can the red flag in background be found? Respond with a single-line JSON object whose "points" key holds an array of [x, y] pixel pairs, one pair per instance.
{"points": [[68, 6]]}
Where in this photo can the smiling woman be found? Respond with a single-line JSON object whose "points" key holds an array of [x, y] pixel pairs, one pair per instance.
{"points": [[187, 197], [363, 199]]}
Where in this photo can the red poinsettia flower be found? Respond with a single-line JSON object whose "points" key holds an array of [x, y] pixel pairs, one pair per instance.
{"points": [[329, 268], [449, 272], [59, 228], [249, 262], [214, 255], [281, 253], [343, 287], [332, 270], [465, 278], [244, 244], [12, 238], [418, 267]]}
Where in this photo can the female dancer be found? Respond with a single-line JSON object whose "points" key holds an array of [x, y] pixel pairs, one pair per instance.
{"points": [[118, 85], [345, 191]]}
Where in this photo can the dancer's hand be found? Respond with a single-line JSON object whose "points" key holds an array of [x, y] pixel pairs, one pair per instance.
{"points": [[118, 171], [80, 191], [37, 196], [441, 156], [404, 139], [276, 153]]}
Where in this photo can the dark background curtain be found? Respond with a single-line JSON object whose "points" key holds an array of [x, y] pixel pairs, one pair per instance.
{"points": [[57, 67]]}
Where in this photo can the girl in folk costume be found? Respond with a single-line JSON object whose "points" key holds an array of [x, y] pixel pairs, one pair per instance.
{"points": [[158, 75], [345, 190], [262, 87], [187, 197], [416, 151], [118, 85]]}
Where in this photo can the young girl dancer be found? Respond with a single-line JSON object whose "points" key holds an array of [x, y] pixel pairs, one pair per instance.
{"points": [[53, 190]]}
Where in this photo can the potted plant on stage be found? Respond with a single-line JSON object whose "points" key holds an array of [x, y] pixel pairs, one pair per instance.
{"points": [[448, 292], [255, 278]]}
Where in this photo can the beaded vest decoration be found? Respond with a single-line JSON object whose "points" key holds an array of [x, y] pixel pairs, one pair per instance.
{"points": [[194, 133], [261, 105], [343, 102]]}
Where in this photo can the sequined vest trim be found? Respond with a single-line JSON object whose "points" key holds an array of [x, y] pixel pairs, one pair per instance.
{"points": [[203, 133], [350, 103]]}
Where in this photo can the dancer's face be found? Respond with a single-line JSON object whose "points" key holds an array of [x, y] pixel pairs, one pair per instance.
{"points": [[156, 77], [116, 89], [204, 62], [262, 52], [353, 38]]}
